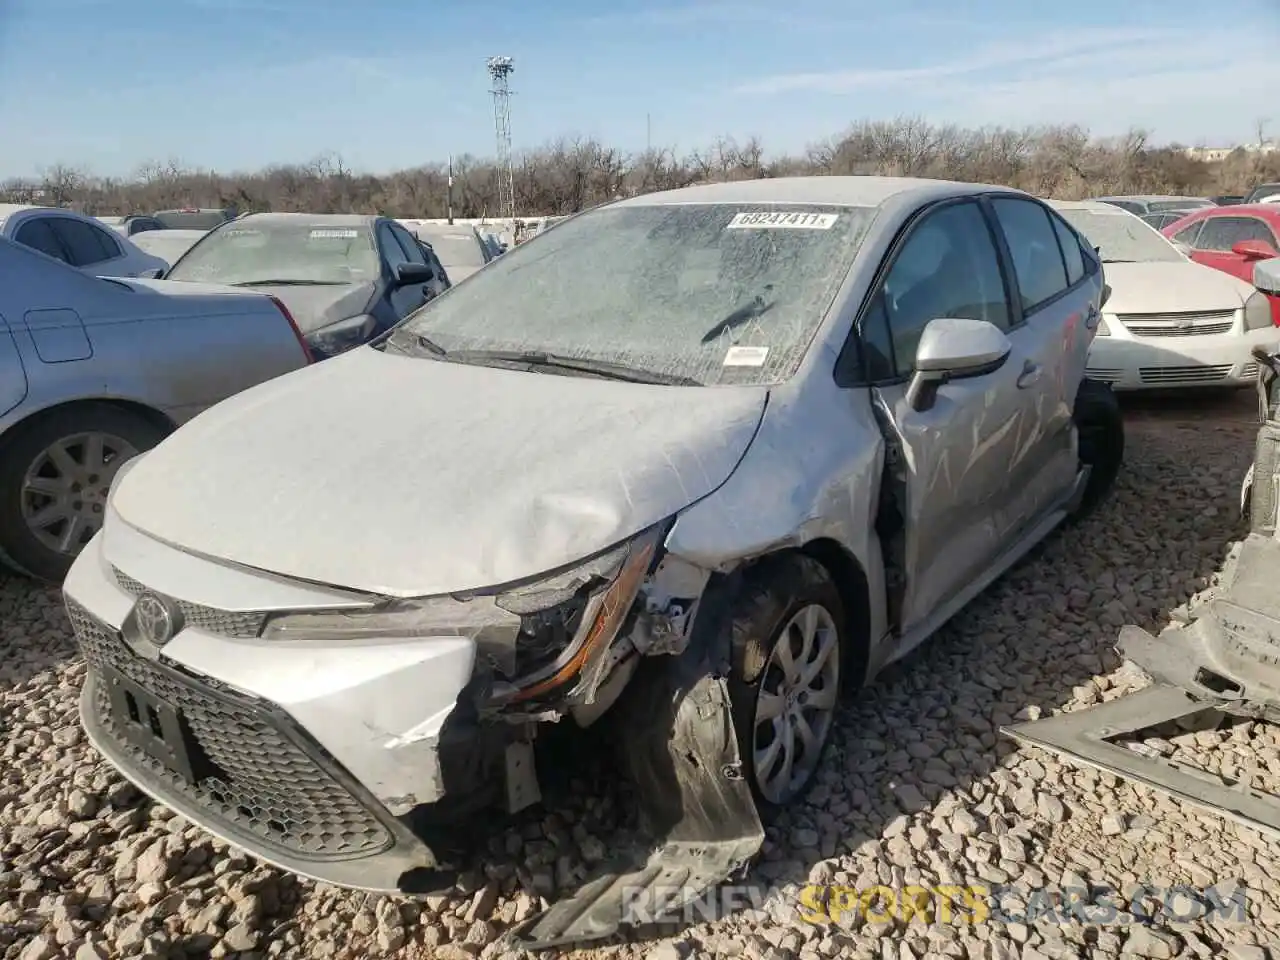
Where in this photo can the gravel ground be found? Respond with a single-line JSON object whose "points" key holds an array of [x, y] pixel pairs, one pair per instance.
{"points": [[917, 788]]}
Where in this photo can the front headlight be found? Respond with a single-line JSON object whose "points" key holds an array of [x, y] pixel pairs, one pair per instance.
{"points": [[537, 635], [1257, 312]]}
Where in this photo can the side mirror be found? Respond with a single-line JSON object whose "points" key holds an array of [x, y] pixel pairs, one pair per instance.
{"points": [[1266, 276], [155, 273], [1182, 248], [411, 273], [1254, 250], [1106, 294], [951, 349]]}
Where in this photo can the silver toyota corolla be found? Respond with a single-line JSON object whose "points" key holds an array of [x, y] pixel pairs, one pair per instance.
{"points": [[692, 463]]}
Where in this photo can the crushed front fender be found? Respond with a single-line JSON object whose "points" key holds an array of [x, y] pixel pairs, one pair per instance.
{"points": [[677, 739]]}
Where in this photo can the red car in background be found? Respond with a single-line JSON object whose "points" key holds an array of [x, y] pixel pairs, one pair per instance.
{"points": [[1232, 239]]}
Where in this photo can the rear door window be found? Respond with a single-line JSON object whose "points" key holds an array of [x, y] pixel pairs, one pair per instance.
{"points": [[1072, 255], [38, 235], [82, 241], [1033, 247]]}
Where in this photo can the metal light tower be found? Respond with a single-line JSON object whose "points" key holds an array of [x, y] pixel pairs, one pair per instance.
{"points": [[500, 69]]}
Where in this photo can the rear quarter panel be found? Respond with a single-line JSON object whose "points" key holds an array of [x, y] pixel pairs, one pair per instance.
{"points": [[182, 354]]}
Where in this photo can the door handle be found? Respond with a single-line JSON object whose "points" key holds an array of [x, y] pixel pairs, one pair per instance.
{"points": [[1030, 375], [1091, 318]]}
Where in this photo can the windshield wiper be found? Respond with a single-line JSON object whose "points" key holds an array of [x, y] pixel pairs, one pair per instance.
{"points": [[289, 283], [1117, 260], [555, 361]]}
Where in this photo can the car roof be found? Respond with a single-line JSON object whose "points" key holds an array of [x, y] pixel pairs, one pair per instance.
{"points": [[1098, 206], [1267, 211], [9, 209], [457, 231], [1153, 196], [833, 191], [327, 219]]}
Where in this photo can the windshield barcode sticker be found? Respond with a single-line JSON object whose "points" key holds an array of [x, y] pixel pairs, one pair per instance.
{"points": [[746, 356], [334, 234], [780, 220]]}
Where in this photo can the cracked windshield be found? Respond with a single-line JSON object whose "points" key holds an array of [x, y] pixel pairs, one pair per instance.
{"points": [[708, 293]]}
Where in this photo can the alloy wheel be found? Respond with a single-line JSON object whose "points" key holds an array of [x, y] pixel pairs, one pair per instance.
{"points": [[796, 703]]}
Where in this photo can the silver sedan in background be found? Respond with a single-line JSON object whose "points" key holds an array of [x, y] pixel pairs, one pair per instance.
{"points": [[94, 371]]}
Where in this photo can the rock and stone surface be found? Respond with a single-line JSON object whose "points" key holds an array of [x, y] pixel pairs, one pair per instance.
{"points": [[917, 789]]}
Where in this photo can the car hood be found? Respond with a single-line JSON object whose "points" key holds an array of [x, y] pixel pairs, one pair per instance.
{"points": [[1172, 287], [409, 476], [315, 307]]}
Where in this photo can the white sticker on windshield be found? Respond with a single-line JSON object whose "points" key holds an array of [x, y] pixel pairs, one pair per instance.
{"points": [[783, 220], [334, 234], [746, 356]]}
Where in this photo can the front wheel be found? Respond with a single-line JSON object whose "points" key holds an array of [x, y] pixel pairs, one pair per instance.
{"points": [[55, 473], [788, 650]]}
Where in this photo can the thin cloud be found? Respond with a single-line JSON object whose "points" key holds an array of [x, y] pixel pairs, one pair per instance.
{"points": [[1178, 104], [729, 13], [1038, 50]]}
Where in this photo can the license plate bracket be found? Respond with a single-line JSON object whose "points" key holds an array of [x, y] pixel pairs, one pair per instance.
{"points": [[153, 725]]}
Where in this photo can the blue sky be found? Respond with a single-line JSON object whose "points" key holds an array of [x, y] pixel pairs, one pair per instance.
{"points": [[236, 84]]}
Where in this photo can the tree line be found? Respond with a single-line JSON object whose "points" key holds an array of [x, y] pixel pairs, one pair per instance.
{"points": [[571, 174]]}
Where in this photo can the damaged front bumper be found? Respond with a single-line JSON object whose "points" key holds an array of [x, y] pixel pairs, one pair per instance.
{"points": [[323, 765]]}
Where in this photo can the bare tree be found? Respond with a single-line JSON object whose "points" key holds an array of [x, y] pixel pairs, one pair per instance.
{"points": [[573, 173]]}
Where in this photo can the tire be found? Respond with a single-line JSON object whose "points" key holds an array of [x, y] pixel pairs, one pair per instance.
{"points": [[773, 594], [1100, 429], [26, 451]]}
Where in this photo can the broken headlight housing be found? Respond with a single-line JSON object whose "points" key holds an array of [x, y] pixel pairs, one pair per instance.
{"points": [[536, 635]]}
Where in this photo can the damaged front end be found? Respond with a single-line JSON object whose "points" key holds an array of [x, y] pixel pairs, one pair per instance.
{"points": [[631, 634], [1222, 664]]}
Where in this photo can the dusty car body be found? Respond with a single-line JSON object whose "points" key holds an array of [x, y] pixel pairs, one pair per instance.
{"points": [[807, 421], [1219, 665], [344, 277]]}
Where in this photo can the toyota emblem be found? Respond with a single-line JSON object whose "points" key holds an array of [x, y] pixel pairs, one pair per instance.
{"points": [[155, 619]]}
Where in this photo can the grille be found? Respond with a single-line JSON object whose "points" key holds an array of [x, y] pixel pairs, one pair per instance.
{"points": [[1178, 324], [1105, 375], [260, 784], [1199, 374], [227, 623], [1249, 371]]}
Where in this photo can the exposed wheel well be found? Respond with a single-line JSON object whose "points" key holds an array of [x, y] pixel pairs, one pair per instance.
{"points": [[150, 414], [851, 581]]}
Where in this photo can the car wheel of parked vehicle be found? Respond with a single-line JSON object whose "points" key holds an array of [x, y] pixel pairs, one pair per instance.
{"points": [[1100, 428], [788, 641], [54, 476]]}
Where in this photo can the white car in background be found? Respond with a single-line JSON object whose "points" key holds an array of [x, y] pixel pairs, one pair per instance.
{"points": [[169, 245], [82, 241], [1169, 322]]}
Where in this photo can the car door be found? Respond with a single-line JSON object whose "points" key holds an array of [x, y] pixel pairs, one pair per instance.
{"points": [[1213, 244], [962, 455], [397, 250], [13, 374], [1059, 279]]}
